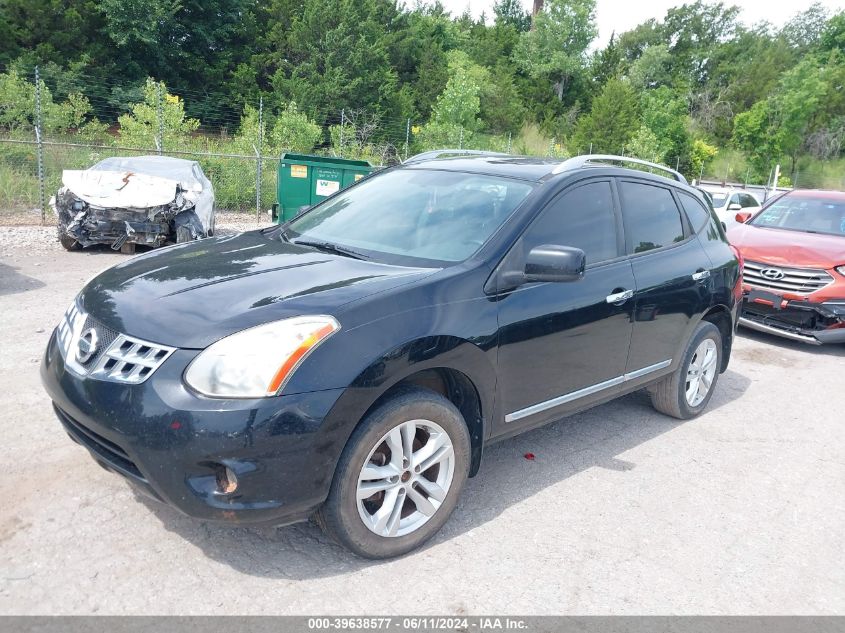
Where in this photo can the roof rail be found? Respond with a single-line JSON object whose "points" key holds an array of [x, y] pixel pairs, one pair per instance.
{"points": [[582, 161], [437, 153]]}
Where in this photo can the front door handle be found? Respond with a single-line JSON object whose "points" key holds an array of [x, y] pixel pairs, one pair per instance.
{"points": [[620, 297], [701, 275]]}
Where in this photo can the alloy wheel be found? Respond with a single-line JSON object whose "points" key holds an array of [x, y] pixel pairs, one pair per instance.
{"points": [[701, 371], [405, 478]]}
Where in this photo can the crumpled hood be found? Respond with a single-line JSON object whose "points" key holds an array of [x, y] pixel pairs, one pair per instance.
{"points": [[120, 189], [788, 248], [193, 294]]}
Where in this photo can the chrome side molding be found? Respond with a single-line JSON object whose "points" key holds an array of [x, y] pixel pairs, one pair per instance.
{"points": [[586, 391]]}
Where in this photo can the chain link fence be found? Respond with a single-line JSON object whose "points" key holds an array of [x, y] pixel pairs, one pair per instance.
{"points": [[45, 130]]}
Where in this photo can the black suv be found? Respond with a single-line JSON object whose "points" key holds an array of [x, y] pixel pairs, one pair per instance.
{"points": [[353, 363]]}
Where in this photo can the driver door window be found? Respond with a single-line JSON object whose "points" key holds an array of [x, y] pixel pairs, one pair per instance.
{"points": [[583, 217]]}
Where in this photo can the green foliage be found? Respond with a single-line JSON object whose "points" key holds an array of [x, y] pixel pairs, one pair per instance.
{"points": [[140, 127], [652, 69], [612, 121], [665, 114], [454, 116], [555, 49], [671, 88], [645, 145], [460, 101], [17, 108], [701, 153], [294, 131], [751, 134], [512, 13]]}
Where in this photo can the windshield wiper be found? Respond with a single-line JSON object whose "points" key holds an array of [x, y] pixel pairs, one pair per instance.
{"points": [[331, 248]]}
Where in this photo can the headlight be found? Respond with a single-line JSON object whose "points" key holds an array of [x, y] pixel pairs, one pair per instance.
{"points": [[257, 362], [841, 270]]}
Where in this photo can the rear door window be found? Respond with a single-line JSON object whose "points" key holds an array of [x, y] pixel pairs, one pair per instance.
{"points": [[652, 219]]}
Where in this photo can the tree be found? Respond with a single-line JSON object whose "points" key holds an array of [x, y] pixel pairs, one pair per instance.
{"points": [[804, 30], [701, 154], [665, 114], [646, 145], [335, 55], [751, 134], [612, 121], [140, 127], [294, 131], [455, 113], [606, 63], [652, 68], [512, 13], [695, 31], [555, 49]]}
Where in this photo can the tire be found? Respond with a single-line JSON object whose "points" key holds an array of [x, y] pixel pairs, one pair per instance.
{"points": [[672, 394], [183, 234], [69, 243], [395, 524]]}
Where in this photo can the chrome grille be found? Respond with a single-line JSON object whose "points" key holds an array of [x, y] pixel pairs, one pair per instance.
{"points": [[130, 360], [119, 358], [797, 280]]}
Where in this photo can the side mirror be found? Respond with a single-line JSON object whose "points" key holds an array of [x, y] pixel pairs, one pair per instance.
{"points": [[743, 217], [549, 262], [734, 206]]}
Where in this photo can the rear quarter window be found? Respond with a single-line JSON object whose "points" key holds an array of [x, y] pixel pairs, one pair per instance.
{"points": [[697, 214]]}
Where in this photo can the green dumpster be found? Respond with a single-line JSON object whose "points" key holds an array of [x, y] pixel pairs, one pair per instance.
{"points": [[305, 180]]}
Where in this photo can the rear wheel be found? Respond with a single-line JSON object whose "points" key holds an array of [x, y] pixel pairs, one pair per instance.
{"points": [[399, 477], [685, 393]]}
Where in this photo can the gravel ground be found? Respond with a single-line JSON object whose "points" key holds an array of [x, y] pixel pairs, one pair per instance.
{"points": [[622, 511], [23, 231]]}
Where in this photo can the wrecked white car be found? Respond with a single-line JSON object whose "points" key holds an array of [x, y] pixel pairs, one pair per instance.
{"points": [[149, 200]]}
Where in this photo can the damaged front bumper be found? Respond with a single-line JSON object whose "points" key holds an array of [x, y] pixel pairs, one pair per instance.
{"points": [[87, 224], [798, 320]]}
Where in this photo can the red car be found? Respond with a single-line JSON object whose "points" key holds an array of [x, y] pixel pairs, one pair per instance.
{"points": [[794, 278]]}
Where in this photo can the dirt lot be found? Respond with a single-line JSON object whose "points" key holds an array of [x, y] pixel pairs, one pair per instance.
{"points": [[622, 511]]}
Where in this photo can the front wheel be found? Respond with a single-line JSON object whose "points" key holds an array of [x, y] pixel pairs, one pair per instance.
{"points": [[69, 243], [399, 477], [685, 393]]}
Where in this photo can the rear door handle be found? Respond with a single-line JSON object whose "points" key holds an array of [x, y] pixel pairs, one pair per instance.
{"points": [[701, 275], [620, 297]]}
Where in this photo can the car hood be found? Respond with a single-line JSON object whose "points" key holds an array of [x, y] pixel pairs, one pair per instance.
{"points": [[193, 294], [788, 248]]}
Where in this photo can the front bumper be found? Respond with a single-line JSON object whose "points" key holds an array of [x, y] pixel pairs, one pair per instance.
{"points": [[805, 321], [171, 443]]}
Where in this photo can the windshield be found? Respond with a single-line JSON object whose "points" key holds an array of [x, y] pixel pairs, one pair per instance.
{"points": [[804, 213], [413, 213]]}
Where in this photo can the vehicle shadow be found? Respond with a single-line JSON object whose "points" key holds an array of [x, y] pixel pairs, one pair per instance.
{"points": [[13, 282], [594, 438], [774, 341]]}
